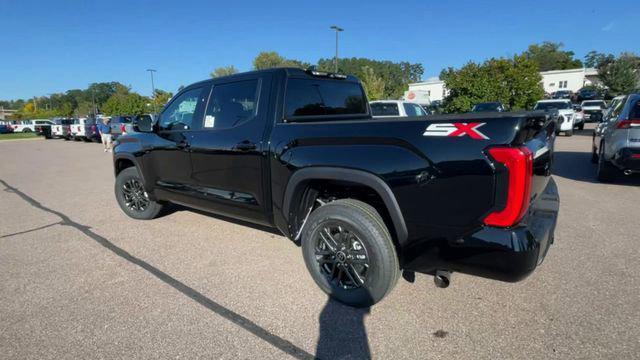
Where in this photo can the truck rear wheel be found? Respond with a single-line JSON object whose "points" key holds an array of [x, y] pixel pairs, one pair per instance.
{"points": [[132, 197], [349, 252]]}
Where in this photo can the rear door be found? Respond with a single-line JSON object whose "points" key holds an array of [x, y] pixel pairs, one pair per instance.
{"points": [[228, 153]]}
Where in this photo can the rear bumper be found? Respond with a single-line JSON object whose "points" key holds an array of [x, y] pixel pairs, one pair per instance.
{"points": [[498, 253], [627, 159]]}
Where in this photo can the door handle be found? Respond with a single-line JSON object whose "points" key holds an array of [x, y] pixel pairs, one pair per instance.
{"points": [[245, 146]]}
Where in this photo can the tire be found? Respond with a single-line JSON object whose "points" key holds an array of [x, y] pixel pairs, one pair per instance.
{"points": [[569, 133], [26, 130], [127, 178], [594, 155], [606, 171], [366, 235]]}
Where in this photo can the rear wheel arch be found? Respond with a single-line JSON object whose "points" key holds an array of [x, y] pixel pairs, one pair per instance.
{"points": [[307, 184]]}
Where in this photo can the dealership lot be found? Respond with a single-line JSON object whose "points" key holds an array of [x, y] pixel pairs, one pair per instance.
{"points": [[79, 279]]}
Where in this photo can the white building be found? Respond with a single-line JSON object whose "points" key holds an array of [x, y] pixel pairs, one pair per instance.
{"points": [[572, 79], [552, 81]]}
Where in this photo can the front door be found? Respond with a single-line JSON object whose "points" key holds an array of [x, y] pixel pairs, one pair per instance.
{"points": [[167, 160], [228, 154]]}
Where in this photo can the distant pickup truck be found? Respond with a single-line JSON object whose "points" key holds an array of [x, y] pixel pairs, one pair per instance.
{"points": [[28, 126], [85, 129], [61, 128], [367, 199], [120, 125], [396, 108]]}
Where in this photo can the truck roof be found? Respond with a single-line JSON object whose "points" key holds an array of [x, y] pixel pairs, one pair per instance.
{"points": [[288, 71]]}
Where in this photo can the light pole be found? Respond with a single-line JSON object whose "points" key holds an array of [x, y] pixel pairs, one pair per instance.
{"points": [[335, 60], [153, 89]]}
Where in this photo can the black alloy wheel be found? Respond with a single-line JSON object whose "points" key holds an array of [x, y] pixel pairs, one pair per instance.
{"points": [[136, 199], [342, 256]]}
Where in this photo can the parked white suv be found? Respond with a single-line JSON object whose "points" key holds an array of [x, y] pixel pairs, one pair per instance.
{"points": [[566, 117], [396, 108]]}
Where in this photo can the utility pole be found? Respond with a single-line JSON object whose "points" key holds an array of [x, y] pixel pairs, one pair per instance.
{"points": [[50, 105], [93, 102], [153, 89], [335, 60]]}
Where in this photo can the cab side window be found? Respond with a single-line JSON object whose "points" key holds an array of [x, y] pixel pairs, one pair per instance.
{"points": [[179, 115], [232, 104]]}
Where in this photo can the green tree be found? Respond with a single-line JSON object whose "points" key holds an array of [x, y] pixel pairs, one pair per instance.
{"points": [[271, 59], [161, 98], [125, 102], [621, 75], [514, 82], [373, 84], [223, 71], [396, 76], [595, 59], [549, 56]]}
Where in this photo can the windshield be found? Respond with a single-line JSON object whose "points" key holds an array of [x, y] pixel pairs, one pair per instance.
{"points": [[560, 105], [482, 107]]}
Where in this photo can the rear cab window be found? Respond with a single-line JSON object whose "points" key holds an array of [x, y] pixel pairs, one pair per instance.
{"points": [[308, 98]]}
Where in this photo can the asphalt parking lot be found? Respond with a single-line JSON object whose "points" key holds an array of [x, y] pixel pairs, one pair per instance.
{"points": [[79, 279]]}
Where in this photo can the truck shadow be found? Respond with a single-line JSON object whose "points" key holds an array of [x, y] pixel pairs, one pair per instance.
{"points": [[245, 323], [575, 165], [342, 332]]}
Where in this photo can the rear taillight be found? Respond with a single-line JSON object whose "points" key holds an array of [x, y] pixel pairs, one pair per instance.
{"points": [[627, 124], [518, 162], [122, 129]]}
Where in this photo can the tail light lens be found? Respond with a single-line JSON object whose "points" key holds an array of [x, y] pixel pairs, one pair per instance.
{"points": [[122, 129], [518, 162], [628, 124]]}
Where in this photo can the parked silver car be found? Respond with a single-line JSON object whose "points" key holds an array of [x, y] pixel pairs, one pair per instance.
{"points": [[616, 140]]}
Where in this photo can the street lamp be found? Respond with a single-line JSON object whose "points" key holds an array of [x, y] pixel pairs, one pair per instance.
{"points": [[335, 60], [153, 89]]}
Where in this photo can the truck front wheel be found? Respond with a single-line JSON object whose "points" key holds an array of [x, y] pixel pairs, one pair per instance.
{"points": [[132, 197], [349, 252]]}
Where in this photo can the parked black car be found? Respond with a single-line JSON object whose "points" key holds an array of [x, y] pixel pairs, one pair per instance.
{"points": [[562, 94], [366, 198], [588, 94]]}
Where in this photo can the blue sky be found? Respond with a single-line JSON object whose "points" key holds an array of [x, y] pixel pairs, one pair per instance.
{"points": [[53, 46]]}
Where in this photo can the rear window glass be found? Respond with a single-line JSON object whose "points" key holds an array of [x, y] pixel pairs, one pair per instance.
{"points": [[311, 97], [384, 109]]}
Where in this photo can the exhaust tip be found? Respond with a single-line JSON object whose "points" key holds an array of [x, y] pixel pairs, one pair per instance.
{"points": [[442, 278], [628, 172]]}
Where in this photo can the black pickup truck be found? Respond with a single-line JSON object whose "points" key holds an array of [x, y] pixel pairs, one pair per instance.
{"points": [[367, 199]]}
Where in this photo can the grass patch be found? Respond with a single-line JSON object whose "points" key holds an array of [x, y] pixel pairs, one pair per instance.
{"points": [[16, 136]]}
